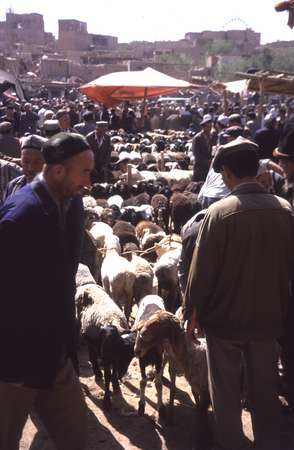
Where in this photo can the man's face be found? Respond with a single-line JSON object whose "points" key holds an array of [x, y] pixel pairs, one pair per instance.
{"points": [[100, 131], [207, 127], [288, 168], [75, 174], [64, 122], [32, 162]]}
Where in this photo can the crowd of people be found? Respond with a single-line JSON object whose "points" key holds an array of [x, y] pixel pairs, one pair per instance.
{"points": [[235, 270]]}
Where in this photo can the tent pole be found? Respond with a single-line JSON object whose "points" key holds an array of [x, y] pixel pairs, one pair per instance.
{"points": [[145, 103], [261, 100]]}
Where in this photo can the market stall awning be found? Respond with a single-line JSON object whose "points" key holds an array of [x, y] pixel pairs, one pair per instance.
{"points": [[117, 87], [7, 81], [271, 82], [235, 87]]}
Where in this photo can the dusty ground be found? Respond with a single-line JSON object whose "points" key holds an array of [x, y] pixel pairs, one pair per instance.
{"points": [[122, 428]]}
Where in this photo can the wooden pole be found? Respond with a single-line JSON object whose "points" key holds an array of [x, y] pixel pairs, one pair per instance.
{"points": [[261, 100]]}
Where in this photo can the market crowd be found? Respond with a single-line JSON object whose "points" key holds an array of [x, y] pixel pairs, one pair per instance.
{"points": [[236, 267]]}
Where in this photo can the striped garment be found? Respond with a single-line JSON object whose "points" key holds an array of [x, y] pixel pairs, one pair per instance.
{"points": [[8, 171]]}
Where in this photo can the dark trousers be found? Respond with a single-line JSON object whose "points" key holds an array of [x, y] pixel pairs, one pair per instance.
{"points": [[225, 360], [287, 355], [61, 409]]}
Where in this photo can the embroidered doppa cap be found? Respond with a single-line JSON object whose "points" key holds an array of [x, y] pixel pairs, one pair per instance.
{"points": [[63, 146], [33, 141]]}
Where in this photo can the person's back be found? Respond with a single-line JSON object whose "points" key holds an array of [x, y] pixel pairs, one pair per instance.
{"points": [[9, 145], [238, 292], [267, 138], [257, 228]]}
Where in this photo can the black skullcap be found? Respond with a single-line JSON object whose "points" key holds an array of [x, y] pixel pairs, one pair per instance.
{"points": [[5, 127], [63, 146], [60, 113], [33, 141]]}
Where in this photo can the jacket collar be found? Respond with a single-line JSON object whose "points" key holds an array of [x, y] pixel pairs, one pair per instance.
{"points": [[44, 196], [252, 187]]}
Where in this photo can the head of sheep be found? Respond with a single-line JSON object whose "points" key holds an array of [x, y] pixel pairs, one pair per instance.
{"points": [[161, 325]]}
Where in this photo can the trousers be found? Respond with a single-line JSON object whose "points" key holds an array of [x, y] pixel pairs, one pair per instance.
{"points": [[61, 409], [225, 361]]}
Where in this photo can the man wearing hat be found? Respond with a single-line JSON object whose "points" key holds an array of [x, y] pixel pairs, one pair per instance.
{"points": [[51, 127], [201, 149], [267, 137], [12, 116], [238, 293], [100, 143], [41, 228], [87, 126], [9, 145], [64, 120], [285, 155], [28, 120], [32, 161]]}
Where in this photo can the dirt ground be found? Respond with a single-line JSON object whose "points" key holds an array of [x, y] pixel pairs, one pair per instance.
{"points": [[122, 428]]}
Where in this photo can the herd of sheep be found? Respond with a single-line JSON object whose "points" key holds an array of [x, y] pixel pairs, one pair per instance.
{"points": [[128, 296]]}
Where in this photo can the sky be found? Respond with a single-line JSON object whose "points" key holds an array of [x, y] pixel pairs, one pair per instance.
{"points": [[153, 20]]}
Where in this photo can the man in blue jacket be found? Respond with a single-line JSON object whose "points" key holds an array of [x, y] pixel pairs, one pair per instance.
{"points": [[41, 230]]}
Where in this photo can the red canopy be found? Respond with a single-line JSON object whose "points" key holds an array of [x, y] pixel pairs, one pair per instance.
{"points": [[117, 87]]}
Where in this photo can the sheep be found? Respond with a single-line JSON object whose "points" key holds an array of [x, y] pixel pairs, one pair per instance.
{"points": [[166, 271], [117, 275], [168, 243], [145, 225], [116, 200], [105, 330], [123, 227], [138, 200], [89, 201], [100, 231], [185, 355], [126, 233], [132, 215], [177, 178], [143, 284], [149, 305], [149, 242], [129, 249], [180, 211]]}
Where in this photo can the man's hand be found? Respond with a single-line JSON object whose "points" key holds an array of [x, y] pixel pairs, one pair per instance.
{"points": [[192, 325]]}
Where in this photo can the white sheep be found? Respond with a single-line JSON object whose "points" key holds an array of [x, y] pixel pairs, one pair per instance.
{"points": [[116, 200], [143, 284], [100, 231], [149, 305], [117, 275], [185, 356], [89, 201]]}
